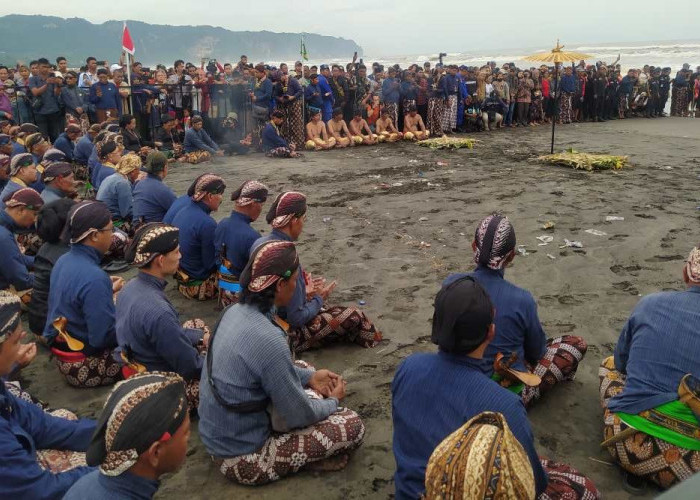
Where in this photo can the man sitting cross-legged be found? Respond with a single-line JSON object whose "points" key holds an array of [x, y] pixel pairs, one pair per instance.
{"points": [[359, 129], [317, 137], [518, 328], [386, 129], [413, 127], [312, 323], [338, 129]]}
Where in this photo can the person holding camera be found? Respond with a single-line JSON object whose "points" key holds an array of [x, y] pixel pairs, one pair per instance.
{"points": [[46, 89], [105, 97]]}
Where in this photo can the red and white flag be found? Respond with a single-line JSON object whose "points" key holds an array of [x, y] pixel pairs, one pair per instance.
{"points": [[127, 42]]}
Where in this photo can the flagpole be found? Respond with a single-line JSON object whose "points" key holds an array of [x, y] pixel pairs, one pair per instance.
{"points": [[128, 70]]}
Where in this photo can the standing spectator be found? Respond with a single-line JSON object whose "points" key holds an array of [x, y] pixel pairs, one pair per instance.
{"points": [[567, 86], [73, 100], [89, 77], [62, 65], [105, 96], [123, 88], [47, 109], [180, 82]]}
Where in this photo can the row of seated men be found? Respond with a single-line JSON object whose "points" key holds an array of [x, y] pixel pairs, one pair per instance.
{"points": [[257, 405]]}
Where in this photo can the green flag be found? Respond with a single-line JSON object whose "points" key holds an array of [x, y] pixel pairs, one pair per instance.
{"points": [[302, 50]]}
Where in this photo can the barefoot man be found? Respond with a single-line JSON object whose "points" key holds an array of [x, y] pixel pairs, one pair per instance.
{"points": [[338, 129], [359, 128], [316, 134], [386, 129], [413, 127]]}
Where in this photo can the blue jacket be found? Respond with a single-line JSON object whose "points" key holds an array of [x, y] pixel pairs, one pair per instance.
{"points": [[152, 199], [233, 238], [175, 208], [64, 144], [199, 140], [110, 98], [94, 167], [518, 327], [83, 150], [24, 429], [272, 139], [263, 94], [82, 292], [299, 311], [125, 486], [315, 101], [433, 395], [148, 327], [391, 91], [103, 171], [197, 230], [15, 265], [116, 192], [568, 84]]}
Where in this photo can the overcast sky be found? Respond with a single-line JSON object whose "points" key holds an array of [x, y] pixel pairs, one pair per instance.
{"points": [[397, 27]]}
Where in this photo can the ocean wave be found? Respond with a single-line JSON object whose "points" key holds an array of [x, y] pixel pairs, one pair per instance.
{"points": [[609, 48]]}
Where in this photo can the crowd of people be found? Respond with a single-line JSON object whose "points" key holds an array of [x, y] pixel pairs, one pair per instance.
{"points": [[460, 422], [281, 111]]}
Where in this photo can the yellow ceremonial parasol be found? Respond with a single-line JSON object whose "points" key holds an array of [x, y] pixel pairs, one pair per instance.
{"points": [[556, 56]]}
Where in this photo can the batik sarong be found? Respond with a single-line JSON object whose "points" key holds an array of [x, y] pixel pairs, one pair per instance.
{"points": [[652, 458], [392, 110], [536, 112], [204, 289], [335, 324], [118, 246], [679, 105], [559, 363], [449, 114], [57, 461], [435, 110], [280, 152], [566, 114], [14, 388], [29, 243], [89, 371], [565, 482], [195, 157], [292, 128]]}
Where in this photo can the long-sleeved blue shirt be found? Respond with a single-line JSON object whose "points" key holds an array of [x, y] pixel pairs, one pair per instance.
{"points": [[233, 239], [83, 150], [315, 101], [197, 229], [116, 192], [518, 327], [50, 102], [409, 90], [263, 94], [252, 362], [94, 166], [179, 203], [149, 328], [103, 170], [199, 140], [72, 98], [50, 194], [64, 144], [626, 85], [152, 199], [299, 311], [82, 293], [568, 83], [328, 100], [272, 139], [17, 148], [450, 85], [391, 90], [659, 344], [11, 186], [125, 486], [15, 265], [433, 395], [110, 98], [24, 429]]}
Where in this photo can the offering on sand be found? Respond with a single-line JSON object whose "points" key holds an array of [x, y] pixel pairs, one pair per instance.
{"points": [[585, 161], [445, 142]]}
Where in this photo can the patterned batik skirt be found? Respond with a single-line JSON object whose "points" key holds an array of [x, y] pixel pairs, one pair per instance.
{"points": [[57, 461], [195, 157], [88, 371], [392, 110], [449, 114], [640, 454], [536, 112], [29, 243], [566, 115], [565, 482], [281, 152], [335, 324], [681, 101], [286, 453], [292, 128], [559, 363], [204, 289], [435, 111]]}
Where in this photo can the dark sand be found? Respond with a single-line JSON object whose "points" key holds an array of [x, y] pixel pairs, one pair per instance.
{"points": [[372, 245]]}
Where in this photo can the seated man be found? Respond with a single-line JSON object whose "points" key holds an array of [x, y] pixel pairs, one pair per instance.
{"points": [[386, 129], [234, 236], [312, 322], [40, 452], [108, 153], [317, 137], [116, 191], [359, 129], [19, 213], [426, 410], [142, 434], [167, 136], [36, 145], [492, 111], [273, 144], [232, 136], [59, 182], [413, 127], [66, 141], [198, 145], [22, 174], [80, 319], [84, 146], [152, 197], [249, 368], [148, 331], [4, 171], [472, 115], [338, 129], [648, 430], [518, 328], [196, 276]]}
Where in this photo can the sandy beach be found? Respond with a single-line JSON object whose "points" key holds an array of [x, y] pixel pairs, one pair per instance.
{"points": [[389, 222]]}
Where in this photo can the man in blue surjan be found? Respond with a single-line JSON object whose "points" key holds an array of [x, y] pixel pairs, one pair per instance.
{"points": [[649, 428]]}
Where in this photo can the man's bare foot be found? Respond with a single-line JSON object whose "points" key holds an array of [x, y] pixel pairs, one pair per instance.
{"points": [[335, 463]]}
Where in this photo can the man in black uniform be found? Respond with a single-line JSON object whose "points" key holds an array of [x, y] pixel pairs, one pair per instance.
{"points": [[664, 89], [652, 109]]}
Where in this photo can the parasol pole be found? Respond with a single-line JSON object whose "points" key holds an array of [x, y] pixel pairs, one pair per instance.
{"points": [[556, 103]]}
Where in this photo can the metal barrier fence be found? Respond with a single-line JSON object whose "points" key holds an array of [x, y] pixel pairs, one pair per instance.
{"points": [[148, 103]]}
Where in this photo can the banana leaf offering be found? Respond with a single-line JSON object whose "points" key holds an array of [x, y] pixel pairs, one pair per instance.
{"points": [[445, 142], [585, 161]]}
